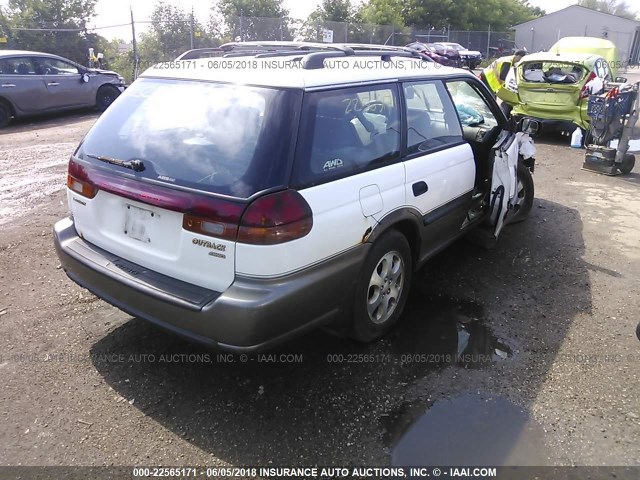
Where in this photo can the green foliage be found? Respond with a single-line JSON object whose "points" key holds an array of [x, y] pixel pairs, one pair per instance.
{"points": [[456, 14], [71, 15], [614, 7], [238, 19], [382, 12]]}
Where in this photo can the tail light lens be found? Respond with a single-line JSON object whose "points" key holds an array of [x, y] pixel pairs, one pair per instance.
{"points": [[276, 218], [78, 180], [584, 93]]}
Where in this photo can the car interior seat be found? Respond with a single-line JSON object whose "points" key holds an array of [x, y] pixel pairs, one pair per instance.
{"points": [[23, 69], [335, 143]]}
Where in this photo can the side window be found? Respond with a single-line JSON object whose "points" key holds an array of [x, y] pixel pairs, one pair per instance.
{"points": [[471, 107], [52, 66], [17, 66], [431, 118], [347, 131]]}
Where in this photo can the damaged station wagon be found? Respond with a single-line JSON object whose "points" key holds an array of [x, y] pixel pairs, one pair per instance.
{"points": [[239, 205]]}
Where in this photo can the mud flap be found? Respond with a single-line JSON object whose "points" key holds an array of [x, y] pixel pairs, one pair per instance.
{"points": [[504, 183]]}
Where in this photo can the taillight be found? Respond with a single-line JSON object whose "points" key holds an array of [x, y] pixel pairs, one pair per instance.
{"points": [[585, 92], [78, 180], [276, 218]]}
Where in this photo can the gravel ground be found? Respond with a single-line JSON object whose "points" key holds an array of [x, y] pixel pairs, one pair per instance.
{"points": [[548, 315]]}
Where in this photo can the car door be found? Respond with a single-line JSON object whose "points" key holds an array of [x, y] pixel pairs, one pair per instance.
{"points": [[495, 149], [20, 84], [439, 164], [347, 166], [63, 80]]}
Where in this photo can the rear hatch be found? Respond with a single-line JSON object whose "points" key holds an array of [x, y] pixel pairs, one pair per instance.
{"points": [[164, 176], [550, 86]]}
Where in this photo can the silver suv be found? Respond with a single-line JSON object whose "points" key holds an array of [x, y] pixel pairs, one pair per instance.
{"points": [[33, 83]]}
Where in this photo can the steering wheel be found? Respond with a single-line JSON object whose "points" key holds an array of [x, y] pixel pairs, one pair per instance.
{"points": [[381, 108]]}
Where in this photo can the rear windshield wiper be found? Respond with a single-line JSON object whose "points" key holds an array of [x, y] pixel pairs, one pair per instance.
{"points": [[135, 165]]}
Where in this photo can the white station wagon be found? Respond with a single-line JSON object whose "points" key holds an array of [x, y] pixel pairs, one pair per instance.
{"points": [[244, 199]]}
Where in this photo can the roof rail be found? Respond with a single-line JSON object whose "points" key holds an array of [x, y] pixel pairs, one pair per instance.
{"points": [[201, 53]]}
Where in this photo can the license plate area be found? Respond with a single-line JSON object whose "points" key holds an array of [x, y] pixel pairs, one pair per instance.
{"points": [[139, 223]]}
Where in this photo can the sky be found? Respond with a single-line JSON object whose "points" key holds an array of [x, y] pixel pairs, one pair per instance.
{"points": [[113, 12]]}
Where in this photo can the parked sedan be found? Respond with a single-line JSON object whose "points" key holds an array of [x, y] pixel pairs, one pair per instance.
{"points": [[555, 89], [33, 83]]}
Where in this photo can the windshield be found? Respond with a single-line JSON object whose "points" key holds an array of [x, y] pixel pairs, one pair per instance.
{"points": [[553, 72], [227, 139]]}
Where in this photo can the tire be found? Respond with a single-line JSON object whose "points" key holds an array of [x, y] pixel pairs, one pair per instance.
{"points": [[105, 97], [5, 114], [627, 164], [526, 192], [388, 263]]}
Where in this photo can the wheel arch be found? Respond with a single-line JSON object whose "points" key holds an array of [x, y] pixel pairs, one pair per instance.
{"points": [[11, 106], [407, 222]]}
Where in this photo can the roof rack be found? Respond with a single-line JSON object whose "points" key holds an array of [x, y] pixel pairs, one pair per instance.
{"points": [[311, 55]]}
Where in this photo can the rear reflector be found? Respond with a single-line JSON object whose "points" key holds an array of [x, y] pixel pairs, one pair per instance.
{"points": [[276, 218]]}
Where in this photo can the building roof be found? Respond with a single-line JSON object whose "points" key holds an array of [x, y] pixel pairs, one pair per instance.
{"points": [[590, 10]]}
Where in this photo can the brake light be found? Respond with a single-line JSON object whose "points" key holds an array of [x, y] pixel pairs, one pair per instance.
{"points": [[586, 90], [276, 218]]}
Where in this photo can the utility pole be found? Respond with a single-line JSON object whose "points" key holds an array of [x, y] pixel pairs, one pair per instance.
{"points": [[136, 60], [191, 28]]}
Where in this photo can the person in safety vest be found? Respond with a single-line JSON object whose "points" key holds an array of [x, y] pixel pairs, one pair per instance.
{"points": [[494, 75]]}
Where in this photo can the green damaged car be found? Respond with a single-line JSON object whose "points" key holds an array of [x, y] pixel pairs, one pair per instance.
{"points": [[554, 88]]}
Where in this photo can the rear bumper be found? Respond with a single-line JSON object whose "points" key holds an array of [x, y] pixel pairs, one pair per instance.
{"points": [[253, 314]]}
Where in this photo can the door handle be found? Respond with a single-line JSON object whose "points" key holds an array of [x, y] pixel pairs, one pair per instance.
{"points": [[419, 188], [52, 84], [8, 85]]}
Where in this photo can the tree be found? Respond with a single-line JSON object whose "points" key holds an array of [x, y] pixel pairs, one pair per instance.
{"points": [[55, 26], [468, 14], [382, 12], [614, 7], [247, 20]]}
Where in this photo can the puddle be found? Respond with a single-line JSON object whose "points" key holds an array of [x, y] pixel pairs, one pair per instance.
{"points": [[468, 430], [447, 331]]}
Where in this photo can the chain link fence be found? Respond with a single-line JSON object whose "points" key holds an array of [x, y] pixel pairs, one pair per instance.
{"points": [[165, 42]]}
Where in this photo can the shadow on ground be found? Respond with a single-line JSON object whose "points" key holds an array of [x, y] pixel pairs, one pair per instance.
{"points": [[471, 309]]}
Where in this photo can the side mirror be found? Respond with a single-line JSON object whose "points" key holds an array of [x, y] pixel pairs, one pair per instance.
{"points": [[620, 80], [85, 77], [529, 126]]}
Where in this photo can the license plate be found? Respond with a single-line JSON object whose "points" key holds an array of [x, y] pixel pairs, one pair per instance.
{"points": [[138, 223]]}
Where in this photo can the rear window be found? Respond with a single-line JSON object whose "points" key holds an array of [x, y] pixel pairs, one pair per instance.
{"points": [[552, 72], [226, 139]]}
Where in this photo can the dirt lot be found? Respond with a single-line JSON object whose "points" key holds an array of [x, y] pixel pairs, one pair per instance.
{"points": [[524, 354]]}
